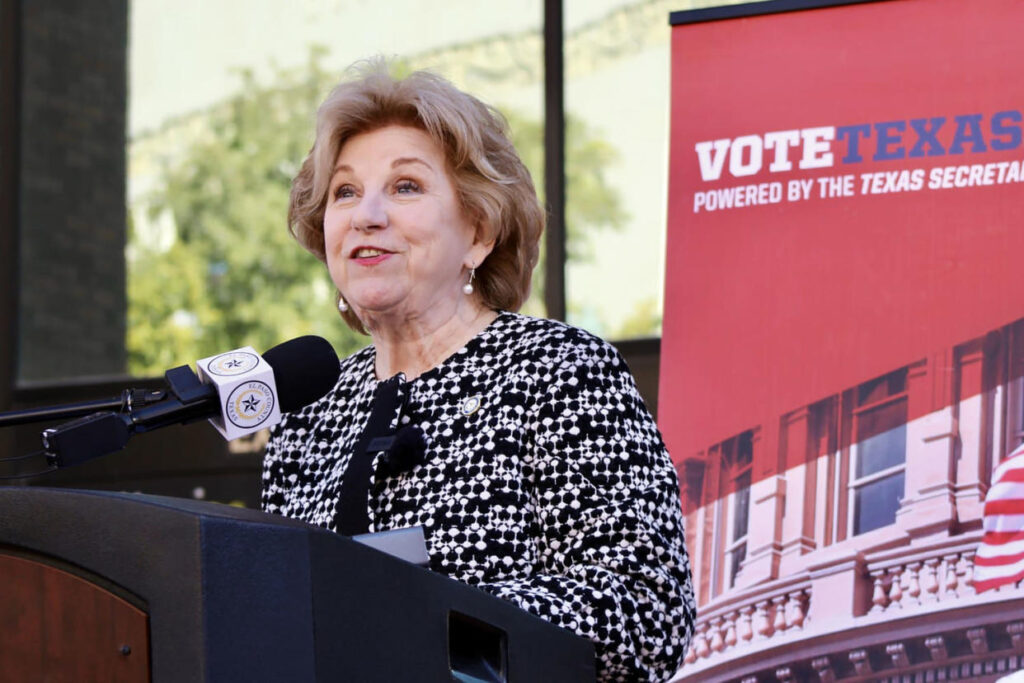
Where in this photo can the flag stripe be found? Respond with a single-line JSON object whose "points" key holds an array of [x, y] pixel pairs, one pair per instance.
{"points": [[1007, 489], [983, 573], [1013, 506], [1015, 475], [1013, 548], [997, 538], [998, 560], [993, 577], [1003, 523], [1012, 462], [982, 586]]}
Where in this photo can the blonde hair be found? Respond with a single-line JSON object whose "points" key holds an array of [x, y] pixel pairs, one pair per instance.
{"points": [[491, 182]]}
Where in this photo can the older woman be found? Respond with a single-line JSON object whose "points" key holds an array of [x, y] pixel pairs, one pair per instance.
{"points": [[524, 449]]}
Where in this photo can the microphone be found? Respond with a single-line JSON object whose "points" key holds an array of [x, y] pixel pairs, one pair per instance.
{"points": [[303, 369]]}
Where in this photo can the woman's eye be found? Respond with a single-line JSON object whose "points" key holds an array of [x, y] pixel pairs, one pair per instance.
{"points": [[407, 186], [344, 191]]}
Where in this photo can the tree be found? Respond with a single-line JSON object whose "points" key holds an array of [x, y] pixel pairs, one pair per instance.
{"points": [[233, 275]]}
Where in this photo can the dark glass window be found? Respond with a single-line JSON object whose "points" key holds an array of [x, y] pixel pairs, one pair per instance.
{"points": [[875, 504], [740, 525], [741, 508], [879, 451], [881, 438]]}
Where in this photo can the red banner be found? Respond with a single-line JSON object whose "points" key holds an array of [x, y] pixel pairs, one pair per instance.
{"points": [[846, 194]]}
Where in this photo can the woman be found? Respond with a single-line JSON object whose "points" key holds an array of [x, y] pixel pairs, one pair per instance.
{"points": [[521, 445]]}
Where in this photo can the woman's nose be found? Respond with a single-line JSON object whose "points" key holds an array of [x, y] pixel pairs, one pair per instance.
{"points": [[371, 212]]}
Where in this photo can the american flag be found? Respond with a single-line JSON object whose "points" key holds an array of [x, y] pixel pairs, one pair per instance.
{"points": [[1000, 558]]}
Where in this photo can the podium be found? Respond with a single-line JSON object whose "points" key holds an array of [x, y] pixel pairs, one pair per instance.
{"points": [[99, 586]]}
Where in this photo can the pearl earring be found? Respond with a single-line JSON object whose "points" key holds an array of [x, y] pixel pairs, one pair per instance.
{"points": [[342, 306], [467, 288]]}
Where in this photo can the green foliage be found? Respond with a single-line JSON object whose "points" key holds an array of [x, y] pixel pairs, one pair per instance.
{"points": [[591, 203], [645, 321], [232, 274]]}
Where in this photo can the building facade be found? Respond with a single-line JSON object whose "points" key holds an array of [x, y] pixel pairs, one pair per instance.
{"points": [[836, 541]]}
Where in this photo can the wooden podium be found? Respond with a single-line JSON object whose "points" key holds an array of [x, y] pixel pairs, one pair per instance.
{"points": [[98, 586]]}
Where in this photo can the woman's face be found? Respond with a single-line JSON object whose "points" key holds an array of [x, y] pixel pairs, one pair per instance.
{"points": [[396, 239]]}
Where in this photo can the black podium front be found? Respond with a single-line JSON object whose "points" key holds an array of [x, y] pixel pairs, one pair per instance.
{"points": [[227, 594]]}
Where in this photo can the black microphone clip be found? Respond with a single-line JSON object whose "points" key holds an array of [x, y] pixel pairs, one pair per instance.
{"points": [[404, 449], [184, 383], [83, 439]]}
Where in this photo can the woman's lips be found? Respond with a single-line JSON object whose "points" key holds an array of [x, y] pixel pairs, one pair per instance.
{"points": [[370, 256]]}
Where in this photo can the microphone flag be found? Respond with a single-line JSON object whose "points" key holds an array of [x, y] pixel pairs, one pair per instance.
{"points": [[246, 391]]}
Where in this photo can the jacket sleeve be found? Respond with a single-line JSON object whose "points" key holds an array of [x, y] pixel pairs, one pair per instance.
{"points": [[273, 491], [612, 565], [282, 463]]}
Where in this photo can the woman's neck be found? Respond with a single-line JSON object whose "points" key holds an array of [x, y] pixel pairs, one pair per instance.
{"points": [[418, 345]]}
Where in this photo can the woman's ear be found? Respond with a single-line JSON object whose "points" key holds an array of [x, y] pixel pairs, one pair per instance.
{"points": [[483, 245]]}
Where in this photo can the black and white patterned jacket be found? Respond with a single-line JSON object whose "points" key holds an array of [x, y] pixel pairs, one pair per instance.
{"points": [[545, 483]]}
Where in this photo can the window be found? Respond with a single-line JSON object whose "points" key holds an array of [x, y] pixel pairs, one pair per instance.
{"points": [[616, 161], [1015, 389], [879, 452], [741, 514], [732, 509]]}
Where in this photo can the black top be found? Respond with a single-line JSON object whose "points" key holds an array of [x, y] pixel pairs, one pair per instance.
{"points": [[544, 482]]}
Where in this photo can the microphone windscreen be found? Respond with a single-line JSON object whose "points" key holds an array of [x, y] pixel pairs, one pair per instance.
{"points": [[305, 369]]}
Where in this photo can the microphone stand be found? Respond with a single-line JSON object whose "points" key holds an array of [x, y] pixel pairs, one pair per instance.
{"points": [[104, 426], [129, 398], [100, 428], [103, 432]]}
